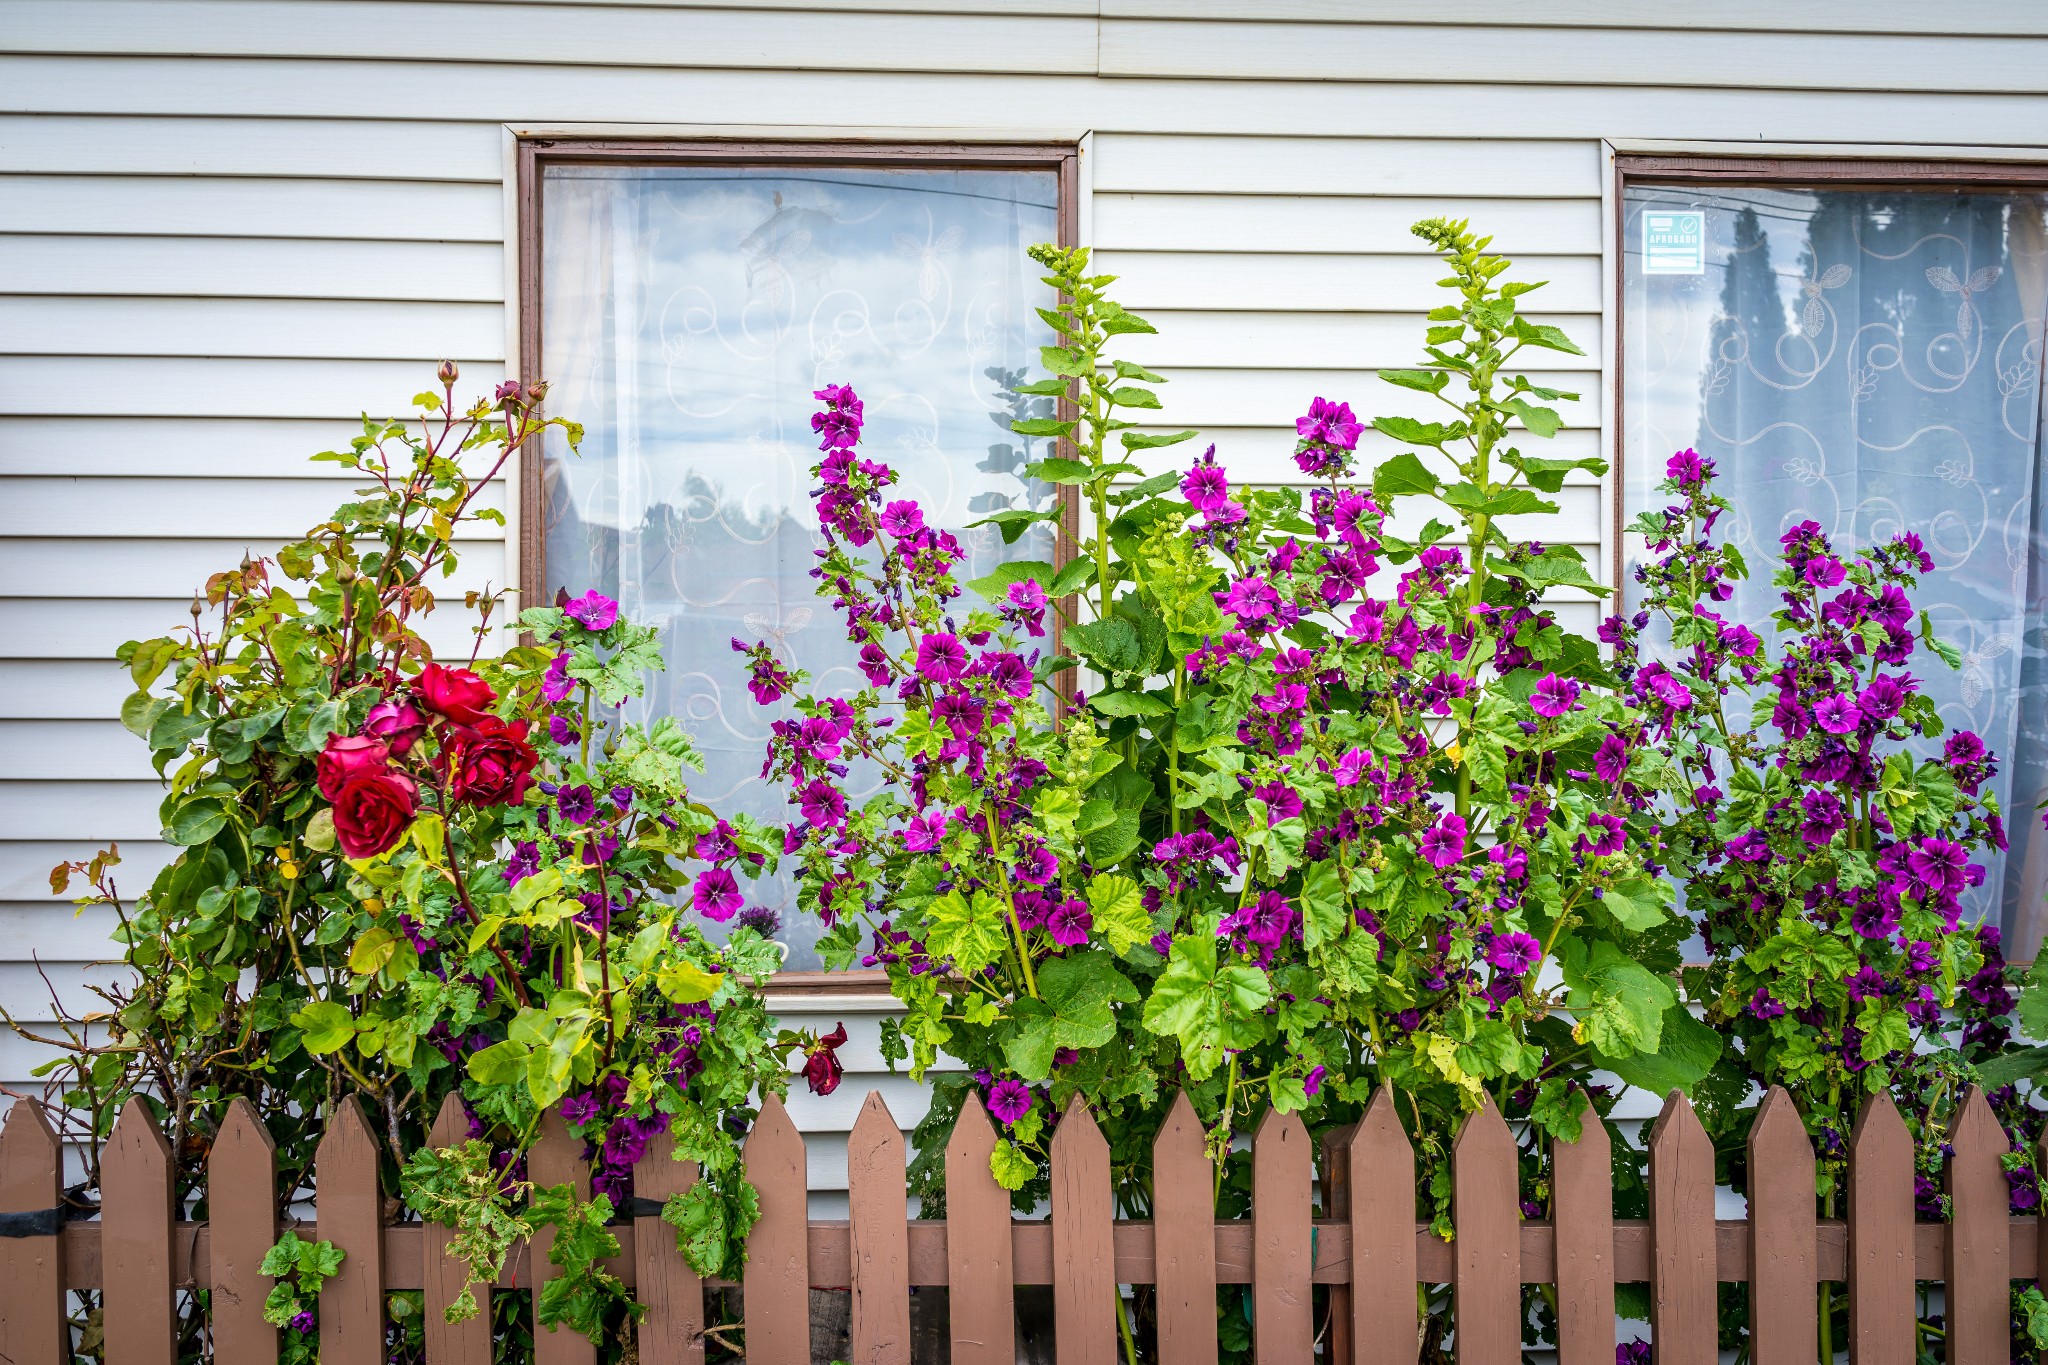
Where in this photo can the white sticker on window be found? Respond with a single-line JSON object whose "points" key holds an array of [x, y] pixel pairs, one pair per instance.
{"points": [[1674, 242]]}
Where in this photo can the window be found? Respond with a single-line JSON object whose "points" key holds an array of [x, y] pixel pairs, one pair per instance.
{"points": [[1861, 347], [684, 302]]}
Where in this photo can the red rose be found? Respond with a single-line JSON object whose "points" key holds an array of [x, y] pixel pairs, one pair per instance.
{"points": [[348, 756], [372, 811], [397, 723], [456, 693], [821, 1068], [489, 763]]}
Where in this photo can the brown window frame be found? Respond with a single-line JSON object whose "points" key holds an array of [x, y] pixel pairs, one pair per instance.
{"points": [[536, 154], [1832, 172]]}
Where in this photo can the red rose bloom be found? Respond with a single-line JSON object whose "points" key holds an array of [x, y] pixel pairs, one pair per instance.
{"points": [[456, 693], [372, 811], [397, 723], [489, 763], [348, 756], [821, 1068]]}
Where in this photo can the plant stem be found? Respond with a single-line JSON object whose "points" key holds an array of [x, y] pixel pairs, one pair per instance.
{"points": [[1123, 1327]]}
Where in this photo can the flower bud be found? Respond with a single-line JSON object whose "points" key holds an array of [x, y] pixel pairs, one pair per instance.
{"points": [[447, 374], [536, 392]]}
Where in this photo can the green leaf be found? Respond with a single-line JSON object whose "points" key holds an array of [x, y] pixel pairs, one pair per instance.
{"points": [[1011, 1168], [994, 586], [1041, 388], [1075, 1007], [1619, 1003], [196, 821], [1411, 431], [1076, 574], [1536, 334], [1121, 323], [1401, 475], [1558, 567], [324, 1026], [1041, 426], [1131, 704], [1472, 500], [1055, 469], [2028, 1063], [1064, 360], [1207, 1007], [1138, 440], [1118, 906], [1130, 369], [1423, 381], [1111, 644], [1636, 906], [1324, 915], [1542, 422], [971, 932], [1686, 1050], [1130, 396]]}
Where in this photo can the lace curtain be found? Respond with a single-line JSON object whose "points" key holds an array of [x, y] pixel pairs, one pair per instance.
{"points": [[688, 313], [1868, 359]]}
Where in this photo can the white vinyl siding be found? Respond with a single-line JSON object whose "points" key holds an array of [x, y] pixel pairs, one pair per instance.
{"points": [[229, 226]]}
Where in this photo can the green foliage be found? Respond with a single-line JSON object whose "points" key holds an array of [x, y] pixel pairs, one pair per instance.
{"points": [[300, 1268]]}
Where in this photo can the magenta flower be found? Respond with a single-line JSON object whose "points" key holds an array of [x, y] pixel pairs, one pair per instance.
{"points": [[1368, 622], [1207, 487], [1554, 695], [1514, 953], [592, 611], [1604, 836], [1351, 768], [1250, 599], [1837, 715], [1069, 923], [1883, 698], [941, 658], [1331, 423], [716, 895], [1610, 760], [1443, 843], [1312, 1084], [556, 684], [822, 804], [926, 831], [576, 804], [902, 519], [1963, 747], [1009, 1101]]}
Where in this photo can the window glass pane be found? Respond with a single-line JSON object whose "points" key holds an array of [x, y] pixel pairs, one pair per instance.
{"points": [[1868, 360], [688, 313]]}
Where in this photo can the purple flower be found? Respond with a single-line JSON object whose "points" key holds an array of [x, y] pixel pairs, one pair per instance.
{"points": [[716, 895], [576, 804], [1368, 622], [1312, 1084], [821, 803], [302, 1322], [1206, 486], [1883, 698], [1837, 714], [1554, 695], [1963, 747], [1331, 423], [1351, 768], [1514, 953], [1866, 983], [926, 831], [1822, 816], [1610, 760], [556, 684], [902, 519], [524, 862], [761, 920], [1250, 599], [1009, 1100], [1443, 843], [1764, 1005], [562, 731], [941, 658], [1069, 924], [1874, 919], [592, 611], [1604, 835]]}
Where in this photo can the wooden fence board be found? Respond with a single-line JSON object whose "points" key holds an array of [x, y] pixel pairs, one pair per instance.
{"points": [[778, 1275], [878, 1207], [1283, 1168], [352, 1217], [241, 1207], [1979, 1267], [1184, 1218], [1384, 1322], [451, 1343], [32, 1325], [1084, 1287], [1880, 1209], [1683, 1272], [981, 1291], [556, 1159], [1783, 1226], [135, 1241], [1582, 1210], [1486, 1195], [672, 1332]]}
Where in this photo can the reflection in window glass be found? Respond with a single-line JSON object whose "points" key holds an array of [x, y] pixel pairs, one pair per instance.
{"points": [[1868, 359], [688, 313]]}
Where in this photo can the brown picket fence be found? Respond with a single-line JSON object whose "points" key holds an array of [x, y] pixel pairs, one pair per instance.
{"points": [[1370, 1251]]}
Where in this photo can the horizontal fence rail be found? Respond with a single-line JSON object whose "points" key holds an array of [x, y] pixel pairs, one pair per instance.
{"points": [[1371, 1250]]}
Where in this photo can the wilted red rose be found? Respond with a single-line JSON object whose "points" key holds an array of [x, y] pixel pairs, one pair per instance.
{"points": [[489, 763], [348, 756], [372, 811], [821, 1067], [456, 693], [397, 723]]}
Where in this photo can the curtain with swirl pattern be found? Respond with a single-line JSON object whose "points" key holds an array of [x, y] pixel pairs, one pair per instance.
{"points": [[1868, 359]]}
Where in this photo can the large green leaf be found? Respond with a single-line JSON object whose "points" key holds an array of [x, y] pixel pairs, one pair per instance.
{"points": [[1209, 1008], [1686, 1050], [1075, 1007]]}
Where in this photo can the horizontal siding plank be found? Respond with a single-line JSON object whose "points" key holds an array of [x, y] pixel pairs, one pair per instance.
{"points": [[25, 870], [107, 143], [210, 447], [70, 981], [64, 689], [1869, 16], [220, 206], [1513, 55], [1218, 340], [144, 386], [554, 35], [173, 508], [1352, 223], [329, 329], [255, 267], [88, 814], [291, 90], [171, 570], [1228, 398], [1234, 281], [43, 628], [1178, 164]]}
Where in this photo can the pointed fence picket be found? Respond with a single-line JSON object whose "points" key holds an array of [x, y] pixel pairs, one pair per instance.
{"points": [[1370, 1248]]}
